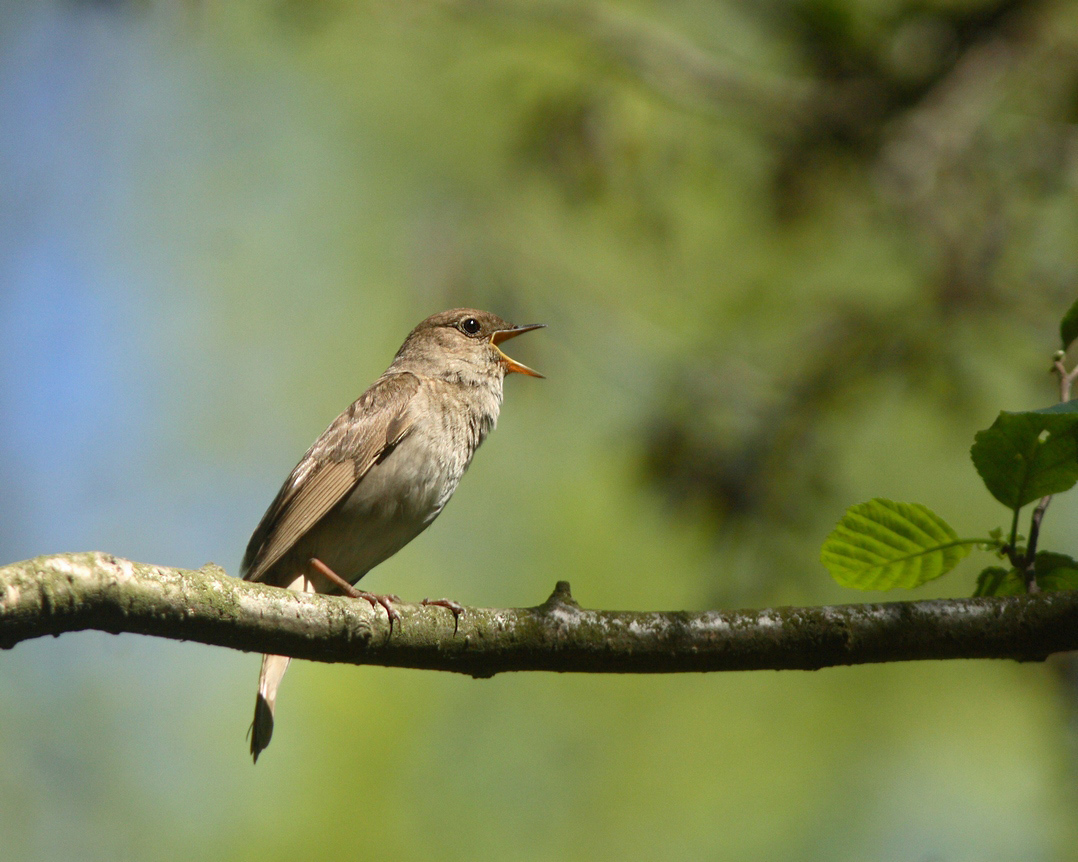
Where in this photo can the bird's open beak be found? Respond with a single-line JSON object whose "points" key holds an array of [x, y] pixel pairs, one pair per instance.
{"points": [[504, 335]]}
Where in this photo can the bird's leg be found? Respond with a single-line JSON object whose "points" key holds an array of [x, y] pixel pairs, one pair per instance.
{"points": [[453, 606], [353, 593]]}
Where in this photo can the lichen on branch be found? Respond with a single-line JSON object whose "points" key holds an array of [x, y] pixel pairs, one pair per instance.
{"points": [[61, 593]]}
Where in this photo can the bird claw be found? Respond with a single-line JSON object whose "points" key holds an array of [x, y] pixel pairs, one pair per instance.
{"points": [[384, 601], [455, 607]]}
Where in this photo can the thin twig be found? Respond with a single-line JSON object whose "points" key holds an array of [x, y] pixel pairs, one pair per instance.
{"points": [[1066, 378], [1029, 564]]}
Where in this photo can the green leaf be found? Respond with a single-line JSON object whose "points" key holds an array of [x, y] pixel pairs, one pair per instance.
{"points": [[1054, 572], [881, 544], [1068, 326], [1063, 407], [992, 579], [1025, 456]]}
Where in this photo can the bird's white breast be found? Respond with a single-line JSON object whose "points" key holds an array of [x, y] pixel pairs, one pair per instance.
{"points": [[405, 491]]}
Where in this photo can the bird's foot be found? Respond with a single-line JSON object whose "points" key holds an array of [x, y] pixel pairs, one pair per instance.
{"points": [[353, 593], [456, 608], [375, 600]]}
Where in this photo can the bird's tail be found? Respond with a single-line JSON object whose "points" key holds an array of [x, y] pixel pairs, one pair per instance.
{"points": [[269, 679]]}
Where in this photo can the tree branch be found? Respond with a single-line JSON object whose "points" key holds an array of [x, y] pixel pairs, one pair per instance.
{"points": [[72, 592]]}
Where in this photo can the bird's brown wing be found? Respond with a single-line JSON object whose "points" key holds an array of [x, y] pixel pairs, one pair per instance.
{"points": [[332, 467]]}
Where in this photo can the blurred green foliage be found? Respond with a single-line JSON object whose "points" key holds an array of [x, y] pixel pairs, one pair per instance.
{"points": [[792, 254]]}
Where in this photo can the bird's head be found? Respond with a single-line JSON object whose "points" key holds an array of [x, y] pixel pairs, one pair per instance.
{"points": [[462, 344]]}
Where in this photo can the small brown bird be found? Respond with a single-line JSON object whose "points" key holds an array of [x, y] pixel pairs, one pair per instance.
{"points": [[382, 471]]}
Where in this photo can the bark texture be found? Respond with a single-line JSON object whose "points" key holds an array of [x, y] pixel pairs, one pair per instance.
{"points": [[72, 592]]}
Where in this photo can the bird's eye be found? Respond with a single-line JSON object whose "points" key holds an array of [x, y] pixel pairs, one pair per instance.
{"points": [[469, 326]]}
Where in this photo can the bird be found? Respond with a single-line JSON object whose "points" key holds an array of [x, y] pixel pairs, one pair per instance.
{"points": [[381, 472]]}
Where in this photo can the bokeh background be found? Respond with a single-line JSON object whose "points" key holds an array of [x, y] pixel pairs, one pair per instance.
{"points": [[792, 255]]}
